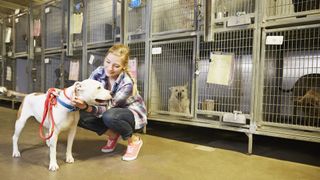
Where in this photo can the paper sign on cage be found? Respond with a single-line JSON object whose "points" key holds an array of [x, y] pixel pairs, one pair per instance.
{"points": [[133, 66], [36, 27], [220, 69], [9, 74], [77, 23], [8, 35], [74, 70]]}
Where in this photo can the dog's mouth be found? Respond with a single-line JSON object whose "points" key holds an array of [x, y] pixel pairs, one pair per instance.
{"points": [[101, 101]]}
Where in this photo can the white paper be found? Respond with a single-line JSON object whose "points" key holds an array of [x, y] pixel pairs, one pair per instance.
{"points": [[16, 11], [46, 60], [47, 10], [74, 70], [36, 27], [157, 50], [133, 66], [77, 23], [17, 20], [274, 40], [8, 35], [91, 59], [220, 69], [9, 73]]}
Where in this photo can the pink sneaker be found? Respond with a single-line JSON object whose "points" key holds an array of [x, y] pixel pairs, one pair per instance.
{"points": [[111, 144], [132, 151]]}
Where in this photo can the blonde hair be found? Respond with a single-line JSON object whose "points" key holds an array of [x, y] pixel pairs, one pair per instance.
{"points": [[123, 52]]}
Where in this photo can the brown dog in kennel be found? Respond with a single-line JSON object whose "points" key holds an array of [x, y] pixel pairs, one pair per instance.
{"points": [[306, 94]]}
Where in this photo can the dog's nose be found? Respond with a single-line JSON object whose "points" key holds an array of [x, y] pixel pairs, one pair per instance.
{"points": [[179, 95]]}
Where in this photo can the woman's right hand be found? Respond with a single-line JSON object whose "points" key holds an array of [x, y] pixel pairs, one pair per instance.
{"points": [[79, 103]]}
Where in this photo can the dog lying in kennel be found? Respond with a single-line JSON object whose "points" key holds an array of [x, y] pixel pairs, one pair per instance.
{"points": [[64, 116], [306, 94]]}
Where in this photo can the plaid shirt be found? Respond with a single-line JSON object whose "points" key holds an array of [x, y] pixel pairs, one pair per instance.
{"points": [[121, 92]]}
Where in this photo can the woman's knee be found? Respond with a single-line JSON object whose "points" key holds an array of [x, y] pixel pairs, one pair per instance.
{"points": [[109, 117]]}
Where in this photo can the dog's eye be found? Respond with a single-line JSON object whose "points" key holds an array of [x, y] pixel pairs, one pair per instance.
{"points": [[176, 90], [183, 90]]}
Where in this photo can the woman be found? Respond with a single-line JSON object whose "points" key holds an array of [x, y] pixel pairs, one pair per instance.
{"points": [[126, 113]]}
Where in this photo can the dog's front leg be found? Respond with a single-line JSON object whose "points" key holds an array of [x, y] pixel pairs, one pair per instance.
{"points": [[53, 166], [71, 135]]}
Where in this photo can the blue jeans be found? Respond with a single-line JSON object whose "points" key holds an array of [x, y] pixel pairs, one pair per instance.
{"points": [[119, 120]]}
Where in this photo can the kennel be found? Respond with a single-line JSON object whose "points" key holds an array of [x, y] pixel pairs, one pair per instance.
{"points": [[137, 22], [55, 24], [55, 63], [279, 9], [283, 65], [235, 95], [172, 64], [21, 33], [100, 26], [171, 16], [226, 14]]}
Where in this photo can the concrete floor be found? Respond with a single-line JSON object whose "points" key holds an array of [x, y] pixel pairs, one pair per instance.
{"points": [[169, 152]]}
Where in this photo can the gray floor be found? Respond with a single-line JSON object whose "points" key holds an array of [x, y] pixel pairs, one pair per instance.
{"points": [[169, 152]]}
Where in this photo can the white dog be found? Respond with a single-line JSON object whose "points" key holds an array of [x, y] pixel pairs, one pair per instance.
{"points": [[65, 115], [179, 101]]}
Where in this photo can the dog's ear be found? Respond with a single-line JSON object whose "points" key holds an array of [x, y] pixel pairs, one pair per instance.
{"points": [[186, 85], [77, 85], [171, 88]]}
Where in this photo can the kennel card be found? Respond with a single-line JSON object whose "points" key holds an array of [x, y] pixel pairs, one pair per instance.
{"points": [[74, 70], [220, 69], [133, 66]]}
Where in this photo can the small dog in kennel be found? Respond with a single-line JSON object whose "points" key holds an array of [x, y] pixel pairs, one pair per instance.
{"points": [[179, 101]]}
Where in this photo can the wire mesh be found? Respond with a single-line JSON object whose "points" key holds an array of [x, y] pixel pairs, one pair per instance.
{"points": [[170, 68], [21, 33], [136, 22], [291, 7], [237, 95], [168, 15], [36, 74], [137, 52], [96, 59], [22, 82], [54, 23], [100, 20], [53, 73], [292, 78]]}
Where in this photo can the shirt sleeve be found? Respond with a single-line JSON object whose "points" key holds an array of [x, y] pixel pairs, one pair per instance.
{"points": [[121, 96]]}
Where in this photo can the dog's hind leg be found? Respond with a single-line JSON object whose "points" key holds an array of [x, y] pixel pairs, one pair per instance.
{"points": [[23, 115]]}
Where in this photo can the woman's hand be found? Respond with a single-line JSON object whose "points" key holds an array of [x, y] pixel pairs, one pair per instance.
{"points": [[79, 103]]}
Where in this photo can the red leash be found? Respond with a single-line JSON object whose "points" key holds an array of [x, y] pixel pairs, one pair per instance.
{"points": [[51, 100]]}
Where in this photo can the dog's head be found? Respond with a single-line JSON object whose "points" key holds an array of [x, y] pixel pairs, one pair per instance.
{"points": [[179, 92], [3, 90], [92, 92]]}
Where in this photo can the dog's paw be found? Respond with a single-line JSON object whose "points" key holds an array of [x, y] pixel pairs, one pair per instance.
{"points": [[16, 154], [69, 159], [53, 167]]}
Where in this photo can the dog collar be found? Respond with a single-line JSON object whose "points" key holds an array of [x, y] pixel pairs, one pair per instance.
{"points": [[68, 106]]}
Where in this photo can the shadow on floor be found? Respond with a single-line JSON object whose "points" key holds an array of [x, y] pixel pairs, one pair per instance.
{"points": [[277, 148]]}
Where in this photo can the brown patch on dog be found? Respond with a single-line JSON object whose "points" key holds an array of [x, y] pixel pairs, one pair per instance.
{"points": [[312, 97]]}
